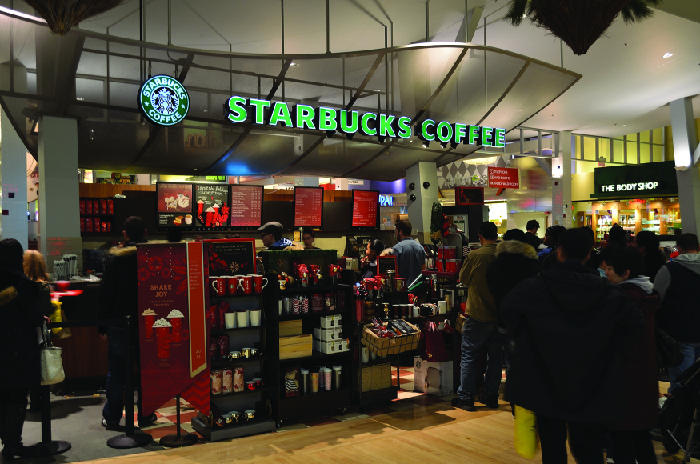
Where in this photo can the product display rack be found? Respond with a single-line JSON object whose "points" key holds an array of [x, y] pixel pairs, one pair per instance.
{"points": [[296, 407]]}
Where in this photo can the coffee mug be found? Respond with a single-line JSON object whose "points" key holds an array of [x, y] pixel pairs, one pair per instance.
{"points": [[254, 352], [230, 285], [242, 318], [218, 285], [400, 284], [246, 352], [255, 317], [250, 385], [249, 414], [282, 284], [234, 416], [259, 282], [234, 355], [258, 382]]}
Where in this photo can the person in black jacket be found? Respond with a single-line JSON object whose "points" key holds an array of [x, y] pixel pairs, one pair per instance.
{"points": [[20, 364], [570, 327], [531, 237], [515, 261], [548, 256], [678, 284], [119, 298], [647, 242]]}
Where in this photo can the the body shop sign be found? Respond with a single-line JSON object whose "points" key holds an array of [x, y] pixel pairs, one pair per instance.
{"points": [[384, 126], [503, 178], [644, 180]]}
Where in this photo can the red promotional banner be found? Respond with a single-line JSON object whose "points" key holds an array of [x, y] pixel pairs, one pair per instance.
{"points": [[172, 324], [503, 178]]}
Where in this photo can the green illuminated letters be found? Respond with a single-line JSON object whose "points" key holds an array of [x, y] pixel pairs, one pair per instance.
{"points": [[460, 132], [473, 135], [500, 138], [366, 118], [405, 127], [260, 106], [444, 136], [326, 119], [304, 116], [354, 121], [385, 125], [280, 113], [427, 130], [486, 138], [236, 109]]}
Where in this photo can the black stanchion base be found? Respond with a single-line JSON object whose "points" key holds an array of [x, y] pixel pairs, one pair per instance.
{"points": [[51, 448], [172, 440], [127, 442]]}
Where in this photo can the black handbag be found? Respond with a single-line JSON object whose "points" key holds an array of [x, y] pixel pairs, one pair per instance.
{"points": [[668, 351]]}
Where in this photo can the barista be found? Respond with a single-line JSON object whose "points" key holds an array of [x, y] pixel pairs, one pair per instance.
{"points": [[307, 236], [368, 268]]}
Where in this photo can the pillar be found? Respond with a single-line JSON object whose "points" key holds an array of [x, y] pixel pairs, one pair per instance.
{"points": [[561, 187], [14, 161], [419, 209], [59, 214], [685, 142]]}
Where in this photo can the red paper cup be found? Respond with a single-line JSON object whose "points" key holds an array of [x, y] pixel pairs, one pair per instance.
{"points": [[163, 341], [176, 322], [149, 320], [218, 286]]}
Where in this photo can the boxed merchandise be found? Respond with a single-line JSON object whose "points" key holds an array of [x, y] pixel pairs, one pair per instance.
{"points": [[298, 346], [394, 345], [333, 346], [330, 322], [290, 328], [433, 378], [328, 334]]}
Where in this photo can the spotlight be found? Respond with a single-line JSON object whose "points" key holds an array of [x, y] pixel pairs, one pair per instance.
{"points": [[412, 197], [426, 144], [412, 186], [426, 185]]}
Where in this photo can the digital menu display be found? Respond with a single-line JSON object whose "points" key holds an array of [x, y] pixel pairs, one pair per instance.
{"points": [[212, 204], [246, 205], [308, 207], [365, 208], [174, 204]]}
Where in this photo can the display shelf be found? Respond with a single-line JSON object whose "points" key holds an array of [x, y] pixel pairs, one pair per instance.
{"points": [[237, 362], [292, 317], [372, 397], [238, 329], [444, 274], [376, 362], [235, 430], [240, 394], [315, 356], [236, 296], [320, 395], [314, 289]]}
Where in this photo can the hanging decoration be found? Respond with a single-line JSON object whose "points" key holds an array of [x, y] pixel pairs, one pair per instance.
{"points": [[578, 23], [439, 224], [61, 15]]}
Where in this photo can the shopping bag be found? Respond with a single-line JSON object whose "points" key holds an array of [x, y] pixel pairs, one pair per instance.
{"points": [[56, 316], [525, 433], [51, 362]]}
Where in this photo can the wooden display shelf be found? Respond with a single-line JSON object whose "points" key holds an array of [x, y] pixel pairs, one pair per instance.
{"points": [[315, 356], [314, 289], [292, 317], [236, 362], [376, 362], [237, 329], [240, 394], [228, 432]]}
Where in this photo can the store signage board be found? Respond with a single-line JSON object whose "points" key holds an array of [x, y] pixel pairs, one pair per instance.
{"points": [[645, 180], [246, 206], [212, 204], [164, 100], [175, 205], [386, 200], [264, 112], [503, 178], [387, 263], [365, 208], [308, 206], [235, 256], [467, 196]]}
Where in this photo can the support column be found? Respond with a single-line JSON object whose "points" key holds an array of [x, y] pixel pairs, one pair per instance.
{"points": [[561, 187], [59, 214], [419, 209], [685, 142], [13, 222]]}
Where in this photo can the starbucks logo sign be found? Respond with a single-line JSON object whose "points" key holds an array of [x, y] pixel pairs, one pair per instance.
{"points": [[164, 100]]}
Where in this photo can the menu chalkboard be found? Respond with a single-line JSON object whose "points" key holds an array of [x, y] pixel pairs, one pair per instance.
{"points": [[246, 205], [365, 208], [212, 204], [228, 257], [308, 207], [387, 263]]}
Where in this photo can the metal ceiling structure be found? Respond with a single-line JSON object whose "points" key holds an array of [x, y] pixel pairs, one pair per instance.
{"points": [[96, 78]]}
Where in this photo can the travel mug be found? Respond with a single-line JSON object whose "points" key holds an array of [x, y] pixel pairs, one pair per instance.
{"points": [[304, 381], [337, 370], [327, 378]]}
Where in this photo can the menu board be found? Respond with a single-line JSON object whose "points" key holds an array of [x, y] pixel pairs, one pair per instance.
{"points": [[246, 205], [231, 257], [465, 196], [174, 204], [365, 207], [212, 204], [308, 207]]}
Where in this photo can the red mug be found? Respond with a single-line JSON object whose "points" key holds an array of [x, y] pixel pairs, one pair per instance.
{"points": [[244, 285], [218, 285], [231, 283], [258, 283]]}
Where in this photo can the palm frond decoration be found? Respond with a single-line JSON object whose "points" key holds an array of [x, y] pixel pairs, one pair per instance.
{"points": [[61, 15], [579, 23]]}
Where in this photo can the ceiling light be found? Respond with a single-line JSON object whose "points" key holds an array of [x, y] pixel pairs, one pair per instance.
{"points": [[667, 55], [426, 144], [80, 99], [293, 64], [524, 16]]}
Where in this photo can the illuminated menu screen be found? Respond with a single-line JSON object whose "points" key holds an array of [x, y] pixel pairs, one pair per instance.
{"points": [[246, 206], [308, 207], [364, 208]]}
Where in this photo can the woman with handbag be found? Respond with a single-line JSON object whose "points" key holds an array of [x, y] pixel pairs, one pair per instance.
{"points": [[630, 435], [20, 315]]}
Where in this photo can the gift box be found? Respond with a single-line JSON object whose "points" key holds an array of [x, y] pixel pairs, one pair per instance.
{"points": [[433, 378]]}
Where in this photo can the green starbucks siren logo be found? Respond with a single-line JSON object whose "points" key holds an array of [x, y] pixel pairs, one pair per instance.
{"points": [[164, 100]]}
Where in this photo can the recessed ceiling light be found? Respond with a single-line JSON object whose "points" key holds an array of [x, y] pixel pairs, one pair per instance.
{"points": [[293, 64], [667, 55], [80, 99]]}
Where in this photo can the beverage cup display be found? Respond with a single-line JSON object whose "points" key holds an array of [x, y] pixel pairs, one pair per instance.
{"points": [[218, 286], [250, 385], [246, 352], [314, 382], [188, 219], [258, 382], [365, 355], [280, 304], [416, 311], [231, 284], [259, 282], [321, 377], [247, 284], [442, 307], [149, 318], [400, 284], [163, 337], [250, 414], [235, 416], [208, 216], [255, 317], [254, 352], [296, 306], [230, 320], [304, 381], [200, 207], [175, 318], [242, 318], [327, 378], [337, 371]]}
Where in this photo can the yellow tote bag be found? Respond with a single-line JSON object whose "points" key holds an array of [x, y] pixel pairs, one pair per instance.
{"points": [[525, 433]]}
